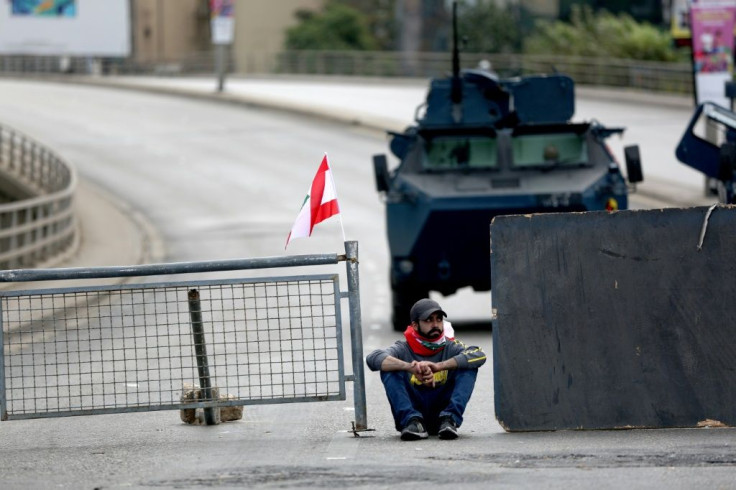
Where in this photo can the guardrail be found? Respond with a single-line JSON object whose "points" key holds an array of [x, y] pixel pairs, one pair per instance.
{"points": [[644, 75], [40, 225], [139, 347], [193, 63]]}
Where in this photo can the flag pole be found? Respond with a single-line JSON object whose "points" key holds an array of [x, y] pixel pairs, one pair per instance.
{"points": [[342, 228], [338, 200]]}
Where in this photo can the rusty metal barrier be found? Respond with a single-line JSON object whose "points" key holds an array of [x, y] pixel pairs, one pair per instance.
{"points": [[135, 347]]}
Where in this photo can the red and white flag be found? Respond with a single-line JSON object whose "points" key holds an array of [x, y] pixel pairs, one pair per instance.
{"points": [[320, 203]]}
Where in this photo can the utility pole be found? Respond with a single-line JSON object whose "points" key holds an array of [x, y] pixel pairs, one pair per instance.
{"points": [[410, 40]]}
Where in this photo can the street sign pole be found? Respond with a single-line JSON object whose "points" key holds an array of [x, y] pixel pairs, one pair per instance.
{"points": [[222, 24], [220, 57]]}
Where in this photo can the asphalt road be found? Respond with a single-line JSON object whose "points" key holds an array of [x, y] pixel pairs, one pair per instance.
{"points": [[225, 181]]}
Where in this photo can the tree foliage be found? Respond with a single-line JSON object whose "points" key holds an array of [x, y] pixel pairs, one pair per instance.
{"points": [[488, 27], [601, 34], [380, 16], [337, 27]]}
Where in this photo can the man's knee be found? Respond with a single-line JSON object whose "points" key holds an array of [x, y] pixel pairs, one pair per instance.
{"points": [[466, 375], [391, 377], [465, 380]]}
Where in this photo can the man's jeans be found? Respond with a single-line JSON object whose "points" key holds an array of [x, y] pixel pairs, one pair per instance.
{"points": [[429, 404]]}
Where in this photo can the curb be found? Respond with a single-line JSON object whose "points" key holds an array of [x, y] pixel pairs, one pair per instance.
{"points": [[259, 102], [351, 118]]}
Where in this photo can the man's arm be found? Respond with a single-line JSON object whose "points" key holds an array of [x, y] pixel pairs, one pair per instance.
{"points": [[447, 365], [421, 370], [465, 357], [390, 363]]}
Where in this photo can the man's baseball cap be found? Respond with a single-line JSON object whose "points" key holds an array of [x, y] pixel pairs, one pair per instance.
{"points": [[423, 308]]}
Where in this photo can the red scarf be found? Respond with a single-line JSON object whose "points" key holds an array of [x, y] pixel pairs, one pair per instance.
{"points": [[426, 347]]}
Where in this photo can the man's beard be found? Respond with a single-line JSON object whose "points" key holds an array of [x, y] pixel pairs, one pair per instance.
{"points": [[433, 334]]}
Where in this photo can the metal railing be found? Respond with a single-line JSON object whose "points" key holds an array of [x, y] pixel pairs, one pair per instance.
{"points": [[671, 77], [645, 75], [194, 63], [138, 347], [40, 224]]}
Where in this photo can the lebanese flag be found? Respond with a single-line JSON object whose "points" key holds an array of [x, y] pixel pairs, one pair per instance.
{"points": [[320, 204]]}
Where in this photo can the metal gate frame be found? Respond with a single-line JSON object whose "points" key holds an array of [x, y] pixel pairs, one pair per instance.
{"points": [[352, 295]]}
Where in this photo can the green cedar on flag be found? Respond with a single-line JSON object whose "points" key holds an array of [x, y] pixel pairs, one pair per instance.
{"points": [[319, 204]]}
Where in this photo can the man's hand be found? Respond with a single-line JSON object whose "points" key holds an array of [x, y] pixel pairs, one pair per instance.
{"points": [[422, 370], [426, 372], [447, 365]]}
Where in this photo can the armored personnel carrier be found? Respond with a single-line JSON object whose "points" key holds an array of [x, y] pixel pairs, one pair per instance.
{"points": [[483, 147], [709, 146]]}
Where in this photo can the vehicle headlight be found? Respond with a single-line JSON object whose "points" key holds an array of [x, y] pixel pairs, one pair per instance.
{"points": [[406, 266]]}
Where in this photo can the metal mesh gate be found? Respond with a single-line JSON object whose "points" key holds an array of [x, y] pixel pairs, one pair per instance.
{"points": [[137, 347]]}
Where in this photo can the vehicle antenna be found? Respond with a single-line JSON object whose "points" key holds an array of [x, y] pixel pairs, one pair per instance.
{"points": [[456, 95]]}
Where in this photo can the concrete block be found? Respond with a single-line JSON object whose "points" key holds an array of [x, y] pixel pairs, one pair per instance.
{"points": [[615, 320]]}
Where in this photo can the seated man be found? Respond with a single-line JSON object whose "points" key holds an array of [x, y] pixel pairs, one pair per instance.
{"points": [[429, 376]]}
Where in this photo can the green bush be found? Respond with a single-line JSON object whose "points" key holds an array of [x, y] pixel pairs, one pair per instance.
{"points": [[488, 28], [602, 35], [337, 27]]}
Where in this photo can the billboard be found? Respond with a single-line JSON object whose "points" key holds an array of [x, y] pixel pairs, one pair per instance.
{"points": [[65, 27], [711, 27], [680, 18], [44, 8]]}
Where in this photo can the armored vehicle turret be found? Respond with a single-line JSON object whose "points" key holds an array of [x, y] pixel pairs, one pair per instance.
{"points": [[482, 147]]}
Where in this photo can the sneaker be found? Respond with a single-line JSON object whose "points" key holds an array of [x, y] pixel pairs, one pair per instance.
{"points": [[448, 428], [414, 431]]}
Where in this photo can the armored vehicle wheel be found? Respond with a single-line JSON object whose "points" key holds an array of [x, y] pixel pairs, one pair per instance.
{"points": [[402, 300]]}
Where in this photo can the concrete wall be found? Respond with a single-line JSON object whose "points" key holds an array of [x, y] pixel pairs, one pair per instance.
{"points": [[169, 30], [260, 27], [172, 30]]}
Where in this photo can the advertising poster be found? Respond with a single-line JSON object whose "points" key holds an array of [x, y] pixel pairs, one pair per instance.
{"points": [[680, 18], [222, 21], [711, 28], [680, 22], [65, 27], [44, 8], [222, 8]]}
